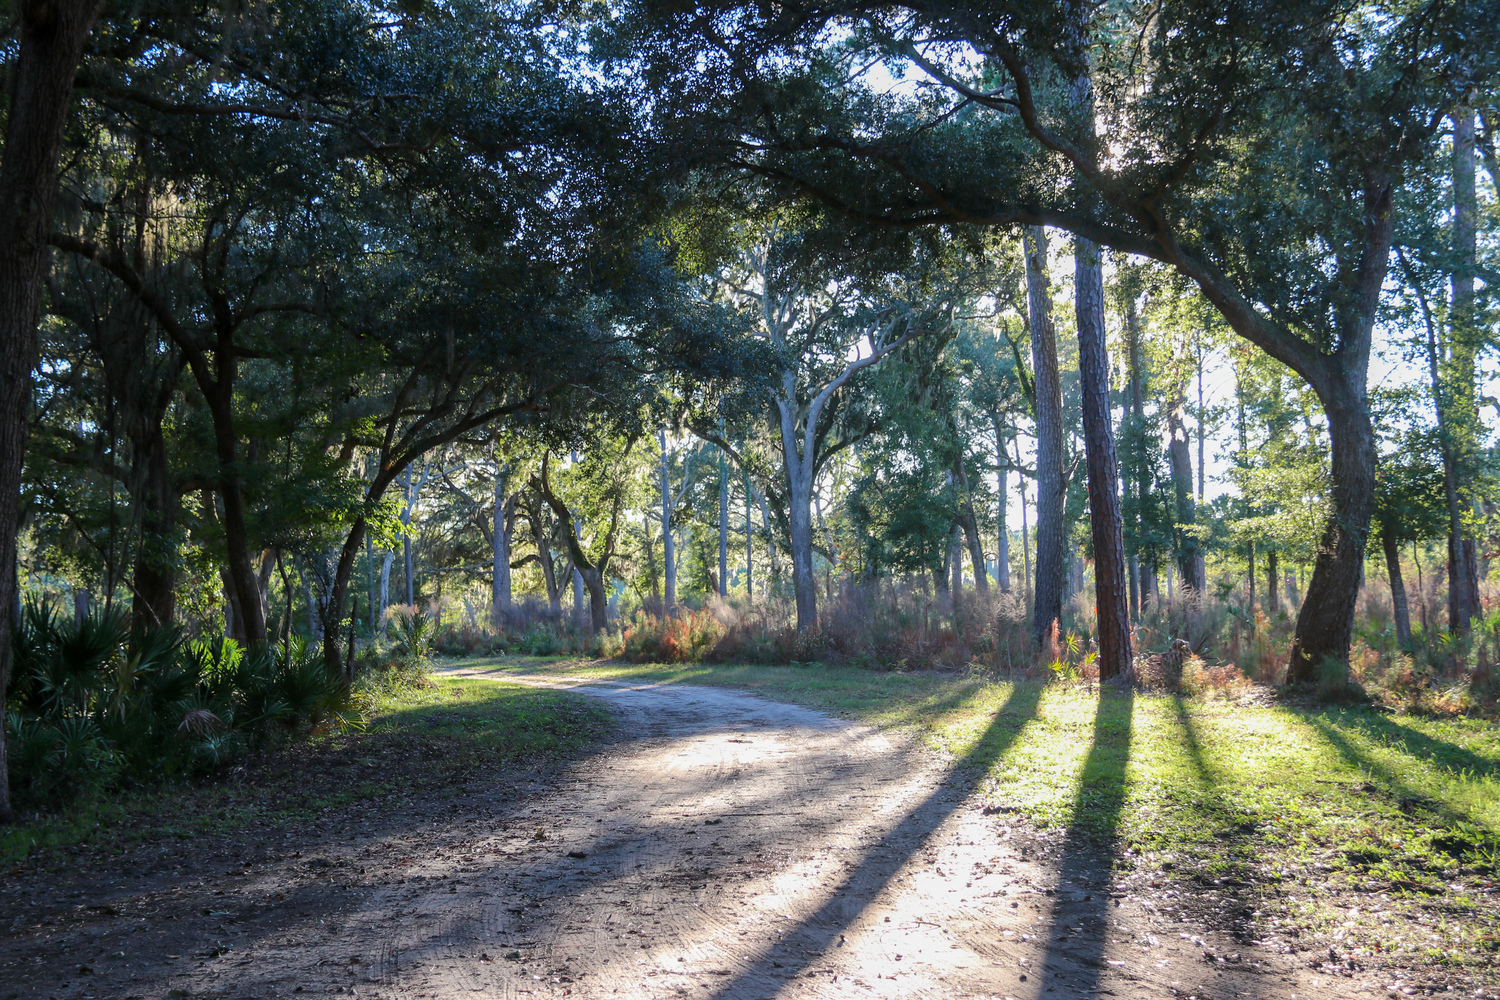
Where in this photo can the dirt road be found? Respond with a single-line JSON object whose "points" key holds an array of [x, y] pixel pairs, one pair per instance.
{"points": [[723, 847]]}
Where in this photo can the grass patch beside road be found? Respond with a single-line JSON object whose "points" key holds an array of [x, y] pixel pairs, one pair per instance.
{"points": [[1367, 833], [427, 741]]}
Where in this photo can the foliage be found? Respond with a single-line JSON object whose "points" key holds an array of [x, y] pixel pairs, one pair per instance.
{"points": [[92, 705]]}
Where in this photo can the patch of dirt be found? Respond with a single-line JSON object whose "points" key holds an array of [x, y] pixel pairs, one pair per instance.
{"points": [[723, 847]]}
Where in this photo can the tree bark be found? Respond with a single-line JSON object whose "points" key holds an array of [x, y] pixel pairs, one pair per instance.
{"points": [[1250, 580], [1325, 624], [1189, 554], [1002, 535], [1273, 584], [1399, 609], [1457, 426], [723, 528], [1138, 486], [1104, 489], [1026, 583], [669, 559], [749, 546], [52, 34], [1050, 487], [500, 551], [969, 522], [155, 598], [1110, 596]]}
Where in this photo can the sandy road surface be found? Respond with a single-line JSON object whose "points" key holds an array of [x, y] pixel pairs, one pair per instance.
{"points": [[724, 847]]}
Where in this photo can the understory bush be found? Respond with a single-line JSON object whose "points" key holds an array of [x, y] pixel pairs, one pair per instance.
{"points": [[92, 704]]}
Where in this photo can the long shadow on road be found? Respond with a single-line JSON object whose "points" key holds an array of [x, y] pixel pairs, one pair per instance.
{"points": [[1079, 925], [822, 929]]}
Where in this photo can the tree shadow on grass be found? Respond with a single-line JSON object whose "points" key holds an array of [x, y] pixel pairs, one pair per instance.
{"points": [[1440, 753], [855, 892], [1407, 796]]}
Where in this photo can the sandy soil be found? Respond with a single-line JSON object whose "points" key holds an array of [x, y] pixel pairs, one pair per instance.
{"points": [[723, 847]]}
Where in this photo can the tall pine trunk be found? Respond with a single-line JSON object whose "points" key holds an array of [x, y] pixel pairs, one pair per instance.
{"points": [[1110, 597], [1051, 541]]}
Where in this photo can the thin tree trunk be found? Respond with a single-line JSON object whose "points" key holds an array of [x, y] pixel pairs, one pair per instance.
{"points": [[385, 581], [1002, 535], [1398, 589], [500, 552], [370, 593], [723, 528], [1250, 579], [1142, 590], [1189, 554], [1198, 420], [1050, 499], [669, 558], [411, 592], [1456, 394], [956, 561], [1273, 584], [1025, 529], [969, 521], [749, 546], [51, 34], [580, 608]]}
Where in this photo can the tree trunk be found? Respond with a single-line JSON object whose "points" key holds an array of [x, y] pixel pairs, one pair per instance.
{"points": [[1273, 584], [385, 580], [580, 609], [1250, 579], [956, 561], [969, 521], [1326, 621], [1399, 608], [749, 547], [544, 557], [370, 596], [723, 528], [500, 552], [411, 590], [669, 559], [1050, 489], [1137, 484], [52, 34], [1111, 601], [1454, 391], [1002, 536], [1026, 583], [804, 584], [1189, 554], [598, 604], [155, 598]]}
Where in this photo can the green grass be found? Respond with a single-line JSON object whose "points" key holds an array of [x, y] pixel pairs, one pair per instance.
{"points": [[1267, 803], [419, 741]]}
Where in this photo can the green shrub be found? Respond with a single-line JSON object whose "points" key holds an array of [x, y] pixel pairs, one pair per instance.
{"points": [[92, 704]]}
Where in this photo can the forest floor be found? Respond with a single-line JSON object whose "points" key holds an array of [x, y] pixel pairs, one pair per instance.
{"points": [[937, 835]]}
